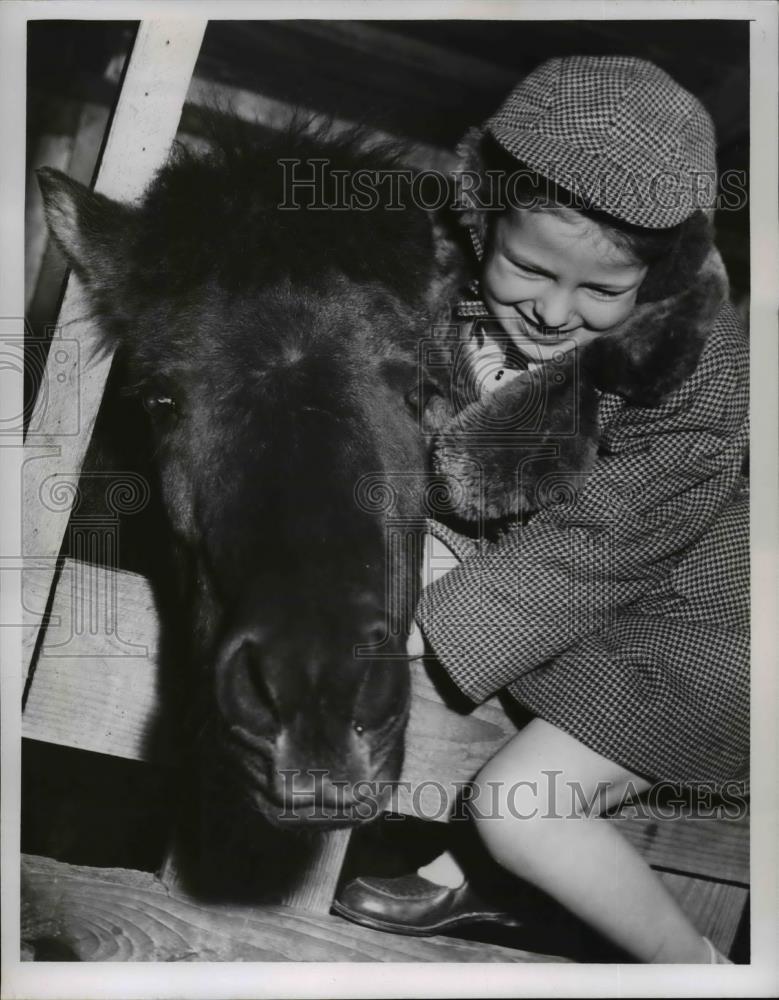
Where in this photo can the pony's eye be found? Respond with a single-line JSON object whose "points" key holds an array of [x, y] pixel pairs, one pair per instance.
{"points": [[159, 403]]}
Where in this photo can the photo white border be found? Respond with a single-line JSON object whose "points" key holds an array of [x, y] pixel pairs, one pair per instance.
{"points": [[30, 981]]}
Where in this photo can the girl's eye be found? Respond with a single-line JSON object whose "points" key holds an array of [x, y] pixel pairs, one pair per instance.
{"points": [[531, 272], [607, 293]]}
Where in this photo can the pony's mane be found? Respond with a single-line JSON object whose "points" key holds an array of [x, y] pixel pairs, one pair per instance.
{"points": [[217, 213]]}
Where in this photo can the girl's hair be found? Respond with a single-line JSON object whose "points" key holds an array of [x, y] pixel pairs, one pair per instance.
{"points": [[673, 256]]}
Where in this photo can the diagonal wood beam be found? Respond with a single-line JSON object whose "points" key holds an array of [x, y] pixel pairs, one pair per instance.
{"points": [[143, 127]]}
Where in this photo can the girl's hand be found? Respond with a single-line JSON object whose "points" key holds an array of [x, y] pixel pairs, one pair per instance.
{"points": [[416, 646]]}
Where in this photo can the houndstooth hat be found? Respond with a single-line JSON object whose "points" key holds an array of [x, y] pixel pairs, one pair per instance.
{"points": [[617, 130]]}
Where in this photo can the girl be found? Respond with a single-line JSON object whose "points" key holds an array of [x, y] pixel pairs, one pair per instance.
{"points": [[620, 620]]}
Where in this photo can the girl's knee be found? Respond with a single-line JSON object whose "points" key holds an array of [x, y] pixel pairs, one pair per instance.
{"points": [[504, 843], [512, 788], [508, 816]]}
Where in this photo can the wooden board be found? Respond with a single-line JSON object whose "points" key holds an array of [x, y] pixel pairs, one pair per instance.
{"points": [[317, 879], [445, 748], [102, 915], [43, 278], [143, 127], [97, 690], [709, 848], [50, 151], [95, 685], [316, 889], [98, 914], [714, 908]]}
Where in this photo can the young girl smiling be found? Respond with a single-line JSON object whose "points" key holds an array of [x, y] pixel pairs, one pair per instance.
{"points": [[619, 620]]}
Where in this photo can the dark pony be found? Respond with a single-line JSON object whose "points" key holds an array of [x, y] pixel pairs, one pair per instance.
{"points": [[276, 351]]}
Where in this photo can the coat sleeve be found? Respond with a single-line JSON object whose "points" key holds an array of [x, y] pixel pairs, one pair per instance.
{"points": [[663, 476]]}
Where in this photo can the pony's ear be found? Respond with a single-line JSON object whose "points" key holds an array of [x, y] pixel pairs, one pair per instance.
{"points": [[89, 228]]}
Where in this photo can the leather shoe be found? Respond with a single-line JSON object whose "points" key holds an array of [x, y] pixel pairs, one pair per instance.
{"points": [[413, 905]]}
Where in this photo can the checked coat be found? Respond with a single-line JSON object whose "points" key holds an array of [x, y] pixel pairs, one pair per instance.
{"points": [[614, 603]]}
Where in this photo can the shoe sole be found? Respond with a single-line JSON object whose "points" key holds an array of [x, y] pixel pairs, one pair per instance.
{"points": [[428, 931]]}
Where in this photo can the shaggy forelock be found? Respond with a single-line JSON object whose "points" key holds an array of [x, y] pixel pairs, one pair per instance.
{"points": [[217, 215]]}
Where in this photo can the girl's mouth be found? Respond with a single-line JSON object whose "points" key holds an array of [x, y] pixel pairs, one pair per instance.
{"points": [[544, 333], [538, 344]]}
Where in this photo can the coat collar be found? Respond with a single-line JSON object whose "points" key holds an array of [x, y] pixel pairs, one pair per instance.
{"points": [[657, 348]]}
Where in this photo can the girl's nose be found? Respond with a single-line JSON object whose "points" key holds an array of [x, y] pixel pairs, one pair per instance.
{"points": [[552, 309]]}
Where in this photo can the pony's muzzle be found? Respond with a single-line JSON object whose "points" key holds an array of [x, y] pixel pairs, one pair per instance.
{"points": [[281, 749]]}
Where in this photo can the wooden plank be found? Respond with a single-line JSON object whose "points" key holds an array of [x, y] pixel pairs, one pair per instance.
{"points": [[445, 748], [318, 881], [44, 295], [92, 124], [714, 908], [99, 915], [119, 649], [143, 127], [95, 684], [708, 848], [97, 690], [50, 151], [77, 156]]}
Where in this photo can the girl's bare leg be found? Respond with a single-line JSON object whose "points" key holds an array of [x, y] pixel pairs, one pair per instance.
{"points": [[533, 823]]}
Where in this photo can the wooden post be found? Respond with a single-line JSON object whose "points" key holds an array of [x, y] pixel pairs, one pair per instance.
{"points": [[316, 888], [45, 265], [143, 128]]}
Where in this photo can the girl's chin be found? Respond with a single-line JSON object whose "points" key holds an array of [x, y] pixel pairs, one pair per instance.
{"points": [[537, 351], [537, 346]]}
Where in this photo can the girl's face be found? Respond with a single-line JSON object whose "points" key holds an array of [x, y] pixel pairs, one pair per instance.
{"points": [[555, 280]]}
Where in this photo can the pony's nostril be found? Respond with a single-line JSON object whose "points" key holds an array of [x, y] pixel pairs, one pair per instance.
{"points": [[243, 677], [259, 680]]}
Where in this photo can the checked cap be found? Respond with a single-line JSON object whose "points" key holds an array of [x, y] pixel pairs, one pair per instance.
{"points": [[616, 130]]}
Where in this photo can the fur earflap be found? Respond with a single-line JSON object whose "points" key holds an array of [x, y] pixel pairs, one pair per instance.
{"points": [[530, 443], [658, 346]]}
